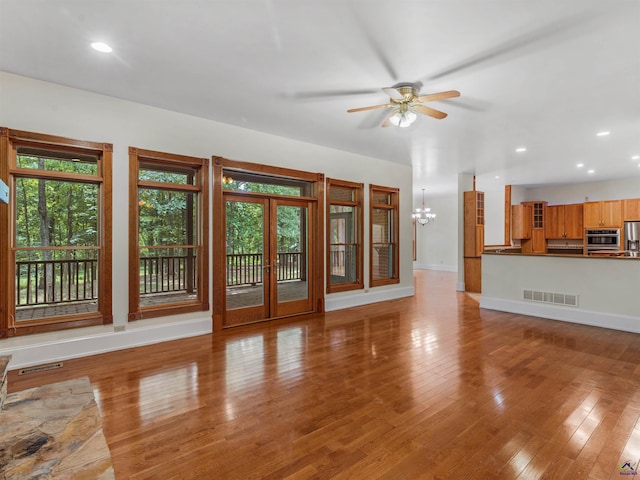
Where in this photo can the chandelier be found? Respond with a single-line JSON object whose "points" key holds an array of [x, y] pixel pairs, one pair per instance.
{"points": [[423, 215]]}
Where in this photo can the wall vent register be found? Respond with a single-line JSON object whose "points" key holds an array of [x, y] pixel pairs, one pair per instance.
{"points": [[569, 300]]}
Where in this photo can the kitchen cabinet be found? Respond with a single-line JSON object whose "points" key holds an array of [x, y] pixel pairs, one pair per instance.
{"points": [[473, 240], [604, 214], [521, 222], [537, 243], [564, 221], [631, 209], [473, 223]]}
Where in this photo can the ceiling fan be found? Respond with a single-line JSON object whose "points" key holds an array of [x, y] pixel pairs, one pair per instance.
{"points": [[405, 101]]}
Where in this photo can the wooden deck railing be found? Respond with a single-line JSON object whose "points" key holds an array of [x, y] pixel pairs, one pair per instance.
{"points": [[56, 281], [247, 268], [176, 273], [63, 281]]}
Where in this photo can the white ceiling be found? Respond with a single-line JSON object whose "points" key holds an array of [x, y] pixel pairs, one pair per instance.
{"points": [[543, 74]]}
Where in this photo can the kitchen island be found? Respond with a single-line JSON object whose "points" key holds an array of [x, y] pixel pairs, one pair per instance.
{"points": [[591, 290]]}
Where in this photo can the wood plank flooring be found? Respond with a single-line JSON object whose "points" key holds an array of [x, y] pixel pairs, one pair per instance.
{"points": [[424, 387]]}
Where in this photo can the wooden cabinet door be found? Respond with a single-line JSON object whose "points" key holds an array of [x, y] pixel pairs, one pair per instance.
{"points": [[612, 213], [520, 222], [631, 209], [555, 222], [473, 223], [538, 242], [479, 240], [573, 221], [591, 214]]}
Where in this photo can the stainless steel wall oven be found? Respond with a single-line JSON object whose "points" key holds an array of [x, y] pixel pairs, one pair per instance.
{"points": [[602, 239]]}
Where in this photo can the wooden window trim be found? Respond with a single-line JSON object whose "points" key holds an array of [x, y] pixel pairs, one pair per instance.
{"points": [[10, 140], [359, 204], [201, 165], [393, 206]]}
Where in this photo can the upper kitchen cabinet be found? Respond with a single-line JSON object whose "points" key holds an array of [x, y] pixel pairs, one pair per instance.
{"points": [[521, 222], [607, 213], [564, 221], [631, 209]]}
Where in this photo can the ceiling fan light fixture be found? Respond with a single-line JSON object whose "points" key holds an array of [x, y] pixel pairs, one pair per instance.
{"points": [[101, 47], [402, 118]]}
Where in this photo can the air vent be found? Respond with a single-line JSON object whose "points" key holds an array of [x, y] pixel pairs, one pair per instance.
{"points": [[566, 299], [39, 368]]}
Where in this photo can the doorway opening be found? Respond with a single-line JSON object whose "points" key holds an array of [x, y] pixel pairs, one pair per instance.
{"points": [[267, 262]]}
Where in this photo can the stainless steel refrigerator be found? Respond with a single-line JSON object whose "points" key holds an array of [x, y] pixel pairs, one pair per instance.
{"points": [[632, 238]]}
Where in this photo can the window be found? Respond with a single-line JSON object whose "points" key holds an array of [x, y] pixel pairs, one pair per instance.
{"points": [[344, 235], [56, 233], [383, 236], [168, 245]]}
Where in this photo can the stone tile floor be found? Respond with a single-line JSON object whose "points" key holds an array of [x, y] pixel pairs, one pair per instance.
{"points": [[53, 432]]}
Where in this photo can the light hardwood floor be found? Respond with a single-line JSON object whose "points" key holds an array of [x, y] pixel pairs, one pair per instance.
{"points": [[423, 387]]}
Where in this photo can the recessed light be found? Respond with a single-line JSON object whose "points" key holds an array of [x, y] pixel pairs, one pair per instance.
{"points": [[101, 47], [591, 171], [580, 165], [603, 134], [635, 157], [497, 177], [521, 149]]}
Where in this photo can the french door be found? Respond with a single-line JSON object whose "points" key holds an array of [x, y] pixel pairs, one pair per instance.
{"points": [[268, 268]]}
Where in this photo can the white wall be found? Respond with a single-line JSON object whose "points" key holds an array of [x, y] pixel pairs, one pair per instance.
{"points": [[493, 212], [32, 105], [585, 192], [437, 246], [607, 288]]}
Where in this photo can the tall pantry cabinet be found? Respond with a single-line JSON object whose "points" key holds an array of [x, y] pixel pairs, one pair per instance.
{"points": [[473, 240]]}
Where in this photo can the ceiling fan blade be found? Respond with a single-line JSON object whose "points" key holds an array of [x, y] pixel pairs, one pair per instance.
{"points": [[373, 107], [429, 111], [332, 93], [376, 41], [393, 93], [543, 37], [432, 97]]}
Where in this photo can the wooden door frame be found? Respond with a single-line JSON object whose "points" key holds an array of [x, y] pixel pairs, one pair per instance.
{"points": [[218, 236]]}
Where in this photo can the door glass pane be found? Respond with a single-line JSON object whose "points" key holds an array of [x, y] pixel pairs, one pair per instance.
{"points": [[291, 263], [245, 254]]}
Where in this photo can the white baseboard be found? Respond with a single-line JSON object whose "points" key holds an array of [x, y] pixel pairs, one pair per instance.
{"points": [[57, 350], [565, 314], [338, 303], [434, 266], [460, 287]]}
